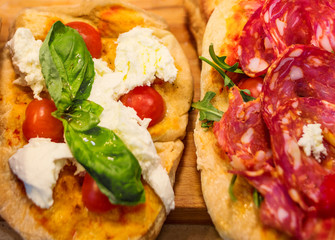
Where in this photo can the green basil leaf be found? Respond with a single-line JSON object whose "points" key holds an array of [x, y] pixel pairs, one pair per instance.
{"points": [[109, 162], [83, 115], [67, 65]]}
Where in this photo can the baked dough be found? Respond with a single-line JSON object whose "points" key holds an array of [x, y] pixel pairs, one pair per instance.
{"points": [[68, 218], [232, 220]]}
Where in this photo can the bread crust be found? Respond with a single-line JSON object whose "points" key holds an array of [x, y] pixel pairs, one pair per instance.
{"points": [[232, 220], [15, 207]]}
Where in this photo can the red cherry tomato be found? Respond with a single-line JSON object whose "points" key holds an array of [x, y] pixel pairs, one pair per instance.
{"points": [[40, 123], [94, 200], [90, 35], [147, 102], [326, 205], [253, 84]]}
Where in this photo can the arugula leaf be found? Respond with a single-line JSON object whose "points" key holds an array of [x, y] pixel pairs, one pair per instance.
{"points": [[231, 187], [67, 65], [208, 112], [257, 197], [68, 69], [105, 157], [221, 66]]}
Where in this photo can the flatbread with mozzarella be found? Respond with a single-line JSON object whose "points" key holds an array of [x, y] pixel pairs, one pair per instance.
{"points": [[68, 218]]}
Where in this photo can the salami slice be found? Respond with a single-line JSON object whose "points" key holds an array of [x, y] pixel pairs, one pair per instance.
{"points": [[299, 22], [243, 135], [301, 71], [255, 50], [287, 23]]}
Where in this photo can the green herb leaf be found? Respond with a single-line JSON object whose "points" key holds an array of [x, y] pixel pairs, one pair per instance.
{"points": [[67, 65], [220, 61], [207, 111], [83, 115], [231, 188], [68, 69], [245, 93], [257, 197], [221, 66], [109, 162]]}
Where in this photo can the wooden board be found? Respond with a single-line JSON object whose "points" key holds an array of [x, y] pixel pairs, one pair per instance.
{"points": [[190, 207]]}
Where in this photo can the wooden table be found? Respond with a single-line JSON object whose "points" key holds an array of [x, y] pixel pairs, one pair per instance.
{"points": [[190, 216]]}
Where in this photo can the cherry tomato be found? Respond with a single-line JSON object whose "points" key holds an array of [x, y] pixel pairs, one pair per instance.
{"points": [[326, 205], [90, 35], [40, 123], [147, 102], [94, 200], [253, 84]]}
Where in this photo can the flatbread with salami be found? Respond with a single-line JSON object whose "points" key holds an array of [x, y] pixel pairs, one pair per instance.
{"points": [[265, 134], [51, 189]]}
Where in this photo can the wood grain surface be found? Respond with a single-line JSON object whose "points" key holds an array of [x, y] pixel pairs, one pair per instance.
{"points": [[190, 207]]}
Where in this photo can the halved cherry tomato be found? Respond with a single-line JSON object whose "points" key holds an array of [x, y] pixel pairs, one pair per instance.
{"points": [[94, 200], [147, 102], [253, 84], [40, 123], [326, 205], [90, 35]]}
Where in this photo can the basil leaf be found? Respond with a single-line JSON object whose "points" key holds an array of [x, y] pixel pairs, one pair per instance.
{"points": [[68, 69], [67, 65], [83, 115], [109, 162]]}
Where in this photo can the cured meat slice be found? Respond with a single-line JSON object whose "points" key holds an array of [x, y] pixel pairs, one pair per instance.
{"points": [[287, 23], [251, 157], [255, 50], [299, 22], [301, 71], [243, 135]]}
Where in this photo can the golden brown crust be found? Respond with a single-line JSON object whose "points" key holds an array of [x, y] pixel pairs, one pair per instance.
{"points": [[233, 220], [198, 13], [167, 135]]}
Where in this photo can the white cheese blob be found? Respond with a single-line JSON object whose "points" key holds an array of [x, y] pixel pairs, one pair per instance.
{"points": [[25, 57], [38, 165], [133, 132], [311, 141], [141, 58]]}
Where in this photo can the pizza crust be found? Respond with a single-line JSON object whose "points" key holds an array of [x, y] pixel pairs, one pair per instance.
{"points": [[232, 220], [15, 207], [198, 13]]}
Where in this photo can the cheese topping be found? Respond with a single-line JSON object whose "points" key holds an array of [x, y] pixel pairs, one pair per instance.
{"points": [[38, 164], [25, 57], [141, 58], [146, 58], [311, 141]]}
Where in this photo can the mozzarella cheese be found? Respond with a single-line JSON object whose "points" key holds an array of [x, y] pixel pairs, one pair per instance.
{"points": [[25, 57], [141, 58], [133, 132], [38, 164], [146, 58], [311, 141]]}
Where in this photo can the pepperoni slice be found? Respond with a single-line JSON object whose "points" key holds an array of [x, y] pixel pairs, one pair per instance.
{"points": [[287, 23], [255, 50], [301, 71], [243, 135], [299, 22]]}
